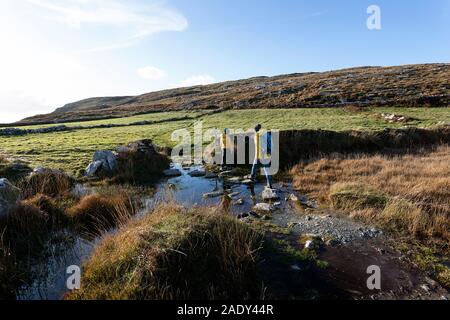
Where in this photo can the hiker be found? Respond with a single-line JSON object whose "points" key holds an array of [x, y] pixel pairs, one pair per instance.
{"points": [[263, 151], [225, 143]]}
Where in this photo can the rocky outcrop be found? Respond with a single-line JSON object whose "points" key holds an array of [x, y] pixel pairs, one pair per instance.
{"points": [[9, 195], [103, 161]]}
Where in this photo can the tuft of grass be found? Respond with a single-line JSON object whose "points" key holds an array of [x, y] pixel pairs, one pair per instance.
{"points": [[50, 207], [97, 213], [53, 183], [176, 253], [24, 229], [13, 171]]}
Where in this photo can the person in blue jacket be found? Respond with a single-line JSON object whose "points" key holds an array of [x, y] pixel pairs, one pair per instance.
{"points": [[263, 148]]}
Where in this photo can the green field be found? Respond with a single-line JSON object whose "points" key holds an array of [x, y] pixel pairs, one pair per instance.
{"points": [[72, 151]]}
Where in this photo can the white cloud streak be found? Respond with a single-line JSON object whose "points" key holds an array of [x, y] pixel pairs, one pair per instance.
{"points": [[197, 80], [151, 73], [135, 20]]}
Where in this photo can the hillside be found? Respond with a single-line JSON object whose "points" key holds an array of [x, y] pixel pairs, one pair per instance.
{"points": [[410, 85]]}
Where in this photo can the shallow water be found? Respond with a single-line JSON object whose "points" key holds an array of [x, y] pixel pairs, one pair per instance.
{"points": [[67, 248]]}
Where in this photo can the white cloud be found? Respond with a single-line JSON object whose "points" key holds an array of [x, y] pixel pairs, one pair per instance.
{"points": [[151, 73], [197, 80], [133, 20]]}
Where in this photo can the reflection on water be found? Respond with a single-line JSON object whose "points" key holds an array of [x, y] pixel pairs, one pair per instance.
{"points": [[68, 248]]}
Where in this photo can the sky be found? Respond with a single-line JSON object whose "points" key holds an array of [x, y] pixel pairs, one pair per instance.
{"points": [[53, 52]]}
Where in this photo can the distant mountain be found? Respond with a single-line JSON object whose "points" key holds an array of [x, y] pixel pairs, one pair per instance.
{"points": [[409, 85]]}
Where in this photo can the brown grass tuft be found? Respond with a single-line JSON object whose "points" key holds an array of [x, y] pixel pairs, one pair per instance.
{"points": [[175, 253], [409, 192], [100, 212], [52, 183]]}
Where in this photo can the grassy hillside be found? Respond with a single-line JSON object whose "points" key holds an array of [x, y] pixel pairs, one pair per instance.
{"points": [[73, 150], [412, 85]]}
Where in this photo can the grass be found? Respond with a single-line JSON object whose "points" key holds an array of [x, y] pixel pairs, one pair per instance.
{"points": [[410, 192], [72, 151], [53, 183], [175, 253], [98, 213], [407, 195]]}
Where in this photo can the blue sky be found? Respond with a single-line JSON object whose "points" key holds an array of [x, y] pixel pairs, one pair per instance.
{"points": [[58, 51]]}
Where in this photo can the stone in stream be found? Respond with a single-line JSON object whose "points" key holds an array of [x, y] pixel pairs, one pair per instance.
{"points": [[197, 173], [213, 194], [172, 173], [234, 180], [211, 175], [247, 182], [263, 207], [239, 202], [9, 195], [270, 194]]}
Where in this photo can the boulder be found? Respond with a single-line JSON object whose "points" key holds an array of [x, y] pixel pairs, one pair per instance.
{"points": [[103, 160], [108, 159], [9, 195], [93, 167], [270, 194]]}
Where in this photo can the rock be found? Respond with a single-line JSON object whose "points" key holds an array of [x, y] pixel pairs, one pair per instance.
{"points": [[213, 194], [39, 170], [242, 215], [228, 173], [266, 218], [234, 194], [270, 194], [211, 175], [263, 207], [103, 160], [239, 202], [108, 159], [254, 215], [313, 242], [93, 168], [247, 182], [425, 288], [296, 268], [197, 173], [234, 180], [292, 197], [9, 195], [172, 173]]}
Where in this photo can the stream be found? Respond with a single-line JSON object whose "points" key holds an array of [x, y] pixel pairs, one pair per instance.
{"points": [[67, 248], [356, 245]]}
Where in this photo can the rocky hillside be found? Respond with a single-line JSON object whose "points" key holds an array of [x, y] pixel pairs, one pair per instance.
{"points": [[410, 85]]}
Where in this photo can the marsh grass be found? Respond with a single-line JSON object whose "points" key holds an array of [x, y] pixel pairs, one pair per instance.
{"points": [[98, 213], [53, 183], [175, 253]]}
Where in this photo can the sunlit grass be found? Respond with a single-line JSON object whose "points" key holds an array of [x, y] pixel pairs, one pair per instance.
{"points": [[73, 151]]}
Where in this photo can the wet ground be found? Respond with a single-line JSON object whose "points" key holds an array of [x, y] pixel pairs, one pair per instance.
{"points": [[349, 247]]}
